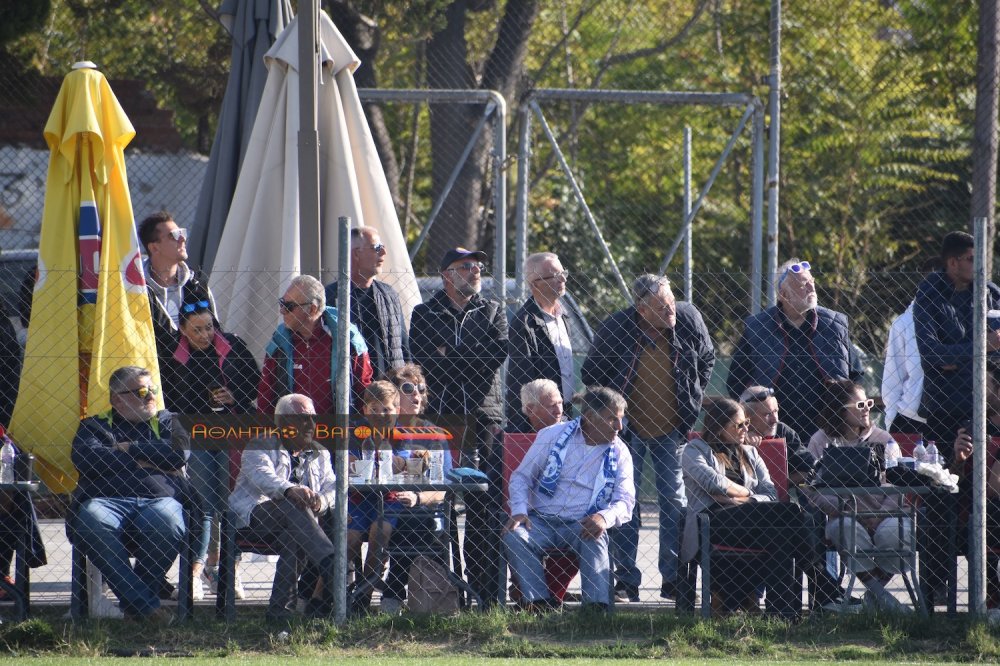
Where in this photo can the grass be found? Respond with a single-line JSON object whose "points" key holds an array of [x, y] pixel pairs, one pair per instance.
{"points": [[498, 637]]}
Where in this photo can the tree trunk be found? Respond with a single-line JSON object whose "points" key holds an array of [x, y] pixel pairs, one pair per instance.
{"points": [[984, 144], [364, 37], [463, 218]]}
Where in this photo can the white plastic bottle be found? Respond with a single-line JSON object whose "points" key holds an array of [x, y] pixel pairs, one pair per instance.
{"points": [[891, 454], [919, 452], [933, 457], [384, 465], [437, 466], [7, 462]]}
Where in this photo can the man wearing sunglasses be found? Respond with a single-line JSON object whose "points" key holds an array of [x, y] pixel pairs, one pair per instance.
{"points": [[794, 347], [541, 337], [761, 408], [302, 354], [128, 459], [375, 306], [167, 276], [459, 338]]}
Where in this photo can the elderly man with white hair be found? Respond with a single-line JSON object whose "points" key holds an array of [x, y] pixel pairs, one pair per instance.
{"points": [[541, 404], [794, 347], [284, 493], [539, 340]]}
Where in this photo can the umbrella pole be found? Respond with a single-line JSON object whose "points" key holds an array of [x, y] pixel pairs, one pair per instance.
{"points": [[309, 228]]}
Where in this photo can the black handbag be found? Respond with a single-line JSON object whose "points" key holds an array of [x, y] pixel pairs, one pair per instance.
{"points": [[849, 467]]}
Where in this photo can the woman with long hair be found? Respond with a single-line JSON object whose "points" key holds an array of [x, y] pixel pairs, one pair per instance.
{"points": [[209, 372], [726, 477], [846, 419]]}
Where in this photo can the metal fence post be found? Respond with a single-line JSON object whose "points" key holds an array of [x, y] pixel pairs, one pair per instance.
{"points": [[977, 537], [343, 397]]}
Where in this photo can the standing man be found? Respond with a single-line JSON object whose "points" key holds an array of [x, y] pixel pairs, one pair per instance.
{"points": [[167, 276], [375, 305], [302, 354], [660, 355], [942, 315], [761, 408], [125, 458], [794, 347], [540, 342], [459, 338]]}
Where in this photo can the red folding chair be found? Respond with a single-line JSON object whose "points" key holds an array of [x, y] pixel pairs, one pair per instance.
{"points": [[561, 566]]}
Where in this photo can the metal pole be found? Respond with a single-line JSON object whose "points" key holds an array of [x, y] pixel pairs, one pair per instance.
{"points": [[977, 543], [687, 213], [521, 212], [343, 406], [500, 214], [309, 227], [757, 209], [773, 151], [708, 186], [581, 200]]}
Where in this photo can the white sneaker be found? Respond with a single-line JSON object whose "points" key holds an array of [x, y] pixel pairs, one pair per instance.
{"points": [[240, 591], [197, 590]]}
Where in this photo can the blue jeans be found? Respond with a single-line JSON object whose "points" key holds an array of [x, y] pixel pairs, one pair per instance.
{"points": [[209, 472], [525, 548], [155, 526], [665, 453]]}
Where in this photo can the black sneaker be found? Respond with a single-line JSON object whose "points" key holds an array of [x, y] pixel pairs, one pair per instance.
{"points": [[668, 590], [625, 593]]}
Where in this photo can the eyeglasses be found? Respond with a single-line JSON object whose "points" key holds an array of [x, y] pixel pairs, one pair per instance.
{"points": [[760, 395], [378, 247], [743, 425], [561, 275], [143, 392], [800, 267], [409, 388], [191, 307], [289, 306], [862, 404], [179, 234], [468, 266]]}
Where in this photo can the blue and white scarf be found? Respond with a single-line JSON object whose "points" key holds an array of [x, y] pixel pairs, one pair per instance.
{"points": [[604, 483]]}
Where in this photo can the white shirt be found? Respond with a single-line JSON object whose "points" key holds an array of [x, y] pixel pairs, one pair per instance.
{"points": [[558, 334], [902, 376]]}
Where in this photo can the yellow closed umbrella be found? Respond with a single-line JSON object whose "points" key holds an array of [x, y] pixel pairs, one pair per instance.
{"points": [[90, 312]]}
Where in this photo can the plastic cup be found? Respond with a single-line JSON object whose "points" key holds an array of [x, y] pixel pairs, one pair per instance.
{"points": [[363, 469]]}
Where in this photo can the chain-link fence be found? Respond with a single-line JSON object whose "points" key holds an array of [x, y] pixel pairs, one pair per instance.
{"points": [[877, 106]]}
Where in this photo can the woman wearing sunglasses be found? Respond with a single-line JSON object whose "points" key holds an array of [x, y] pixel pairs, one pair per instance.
{"points": [[847, 422], [209, 372], [412, 385], [727, 478]]}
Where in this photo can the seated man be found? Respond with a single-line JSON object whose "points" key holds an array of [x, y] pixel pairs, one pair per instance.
{"points": [[285, 490], [574, 483], [541, 403], [126, 491], [761, 409]]}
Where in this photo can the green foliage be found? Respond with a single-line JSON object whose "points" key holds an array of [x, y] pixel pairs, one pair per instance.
{"points": [[18, 17]]}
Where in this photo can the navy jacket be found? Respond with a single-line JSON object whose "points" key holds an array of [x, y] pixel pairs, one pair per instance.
{"points": [[942, 319], [108, 472], [461, 354], [760, 355], [614, 356], [390, 319]]}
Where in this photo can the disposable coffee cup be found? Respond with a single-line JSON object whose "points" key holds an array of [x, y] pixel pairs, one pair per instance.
{"points": [[363, 469]]}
